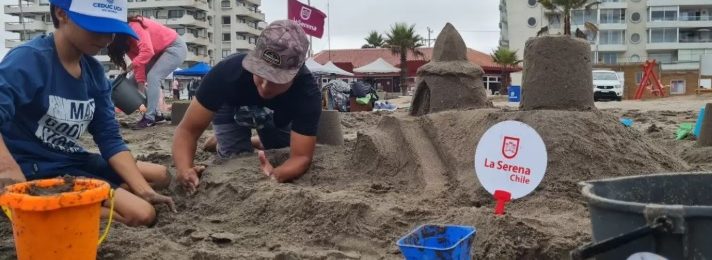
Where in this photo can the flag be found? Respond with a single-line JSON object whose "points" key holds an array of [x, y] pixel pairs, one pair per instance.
{"points": [[309, 18]]}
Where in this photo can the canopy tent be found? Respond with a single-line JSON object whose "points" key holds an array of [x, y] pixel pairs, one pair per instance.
{"points": [[199, 69], [330, 68], [170, 76], [377, 66], [315, 67]]}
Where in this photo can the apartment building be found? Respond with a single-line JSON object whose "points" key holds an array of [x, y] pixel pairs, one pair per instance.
{"points": [[212, 29], [674, 32]]}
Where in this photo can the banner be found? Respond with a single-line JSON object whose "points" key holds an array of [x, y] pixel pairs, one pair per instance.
{"points": [[309, 18]]}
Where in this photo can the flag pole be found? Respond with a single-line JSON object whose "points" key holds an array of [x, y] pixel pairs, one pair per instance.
{"points": [[328, 15], [311, 49]]}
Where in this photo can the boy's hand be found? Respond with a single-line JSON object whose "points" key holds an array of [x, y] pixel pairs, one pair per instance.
{"points": [[265, 165], [154, 198]]}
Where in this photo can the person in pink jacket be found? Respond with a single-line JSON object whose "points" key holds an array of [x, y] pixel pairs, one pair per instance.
{"points": [[157, 52]]}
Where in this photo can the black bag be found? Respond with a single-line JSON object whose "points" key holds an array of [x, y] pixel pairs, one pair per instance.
{"points": [[360, 89]]}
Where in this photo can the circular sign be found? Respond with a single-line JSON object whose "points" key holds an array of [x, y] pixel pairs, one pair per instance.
{"points": [[511, 157]]}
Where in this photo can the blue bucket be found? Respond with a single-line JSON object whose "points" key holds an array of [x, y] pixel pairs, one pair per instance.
{"points": [[442, 242]]}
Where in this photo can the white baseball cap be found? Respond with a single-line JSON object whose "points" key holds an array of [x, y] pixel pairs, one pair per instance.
{"points": [[99, 16]]}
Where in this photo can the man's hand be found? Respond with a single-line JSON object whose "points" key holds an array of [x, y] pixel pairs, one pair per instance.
{"points": [[190, 178], [154, 198], [266, 167]]}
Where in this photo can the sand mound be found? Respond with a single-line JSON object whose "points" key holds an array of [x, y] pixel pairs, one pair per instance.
{"points": [[553, 220], [357, 200]]}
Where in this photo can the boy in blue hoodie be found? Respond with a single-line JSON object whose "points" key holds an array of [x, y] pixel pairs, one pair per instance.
{"points": [[52, 90]]}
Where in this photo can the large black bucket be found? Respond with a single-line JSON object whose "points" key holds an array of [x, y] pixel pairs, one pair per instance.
{"points": [[667, 214], [125, 94]]}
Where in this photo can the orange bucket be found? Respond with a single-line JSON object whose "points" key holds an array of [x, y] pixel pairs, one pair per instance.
{"points": [[59, 226]]}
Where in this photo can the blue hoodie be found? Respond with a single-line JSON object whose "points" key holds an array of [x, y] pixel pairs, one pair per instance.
{"points": [[44, 110]]}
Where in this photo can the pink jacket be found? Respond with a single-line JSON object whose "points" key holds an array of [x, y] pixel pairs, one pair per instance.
{"points": [[154, 38]]}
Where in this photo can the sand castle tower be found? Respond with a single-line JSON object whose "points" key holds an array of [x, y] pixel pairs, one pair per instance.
{"points": [[449, 80]]}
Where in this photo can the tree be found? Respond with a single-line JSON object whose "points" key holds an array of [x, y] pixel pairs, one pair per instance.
{"points": [[374, 40], [565, 7], [402, 39], [506, 59]]}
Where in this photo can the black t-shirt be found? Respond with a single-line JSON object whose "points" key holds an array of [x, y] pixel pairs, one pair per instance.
{"points": [[228, 83]]}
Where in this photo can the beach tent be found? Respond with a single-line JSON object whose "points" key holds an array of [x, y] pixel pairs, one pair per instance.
{"points": [[377, 66], [333, 69], [199, 69]]}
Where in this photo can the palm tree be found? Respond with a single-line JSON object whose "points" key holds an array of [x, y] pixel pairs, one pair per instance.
{"points": [[507, 59], [565, 7], [402, 39], [374, 40]]}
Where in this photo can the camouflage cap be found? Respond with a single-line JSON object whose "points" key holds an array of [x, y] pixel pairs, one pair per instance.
{"points": [[280, 52]]}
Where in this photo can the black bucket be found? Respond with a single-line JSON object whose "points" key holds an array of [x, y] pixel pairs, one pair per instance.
{"points": [[667, 214], [125, 94]]}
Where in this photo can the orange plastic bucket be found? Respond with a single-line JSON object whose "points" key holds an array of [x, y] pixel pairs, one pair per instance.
{"points": [[61, 226]]}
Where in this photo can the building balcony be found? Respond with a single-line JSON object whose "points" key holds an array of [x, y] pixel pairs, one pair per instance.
{"points": [[611, 26], [677, 2], [197, 4], [259, 2], [680, 45], [242, 44], [244, 28], [12, 43], [29, 26], [190, 38], [192, 57], [186, 20], [680, 24], [27, 9], [613, 5], [244, 11], [610, 47]]}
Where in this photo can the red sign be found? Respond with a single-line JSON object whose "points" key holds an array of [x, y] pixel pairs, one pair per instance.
{"points": [[309, 18], [510, 147]]}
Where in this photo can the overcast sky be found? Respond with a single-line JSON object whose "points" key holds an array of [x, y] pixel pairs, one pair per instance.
{"points": [[477, 20]]}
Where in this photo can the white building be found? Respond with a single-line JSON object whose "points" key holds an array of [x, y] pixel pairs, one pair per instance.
{"points": [[673, 32], [212, 29]]}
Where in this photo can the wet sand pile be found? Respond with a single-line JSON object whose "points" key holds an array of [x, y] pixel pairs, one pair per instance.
{"points": [[358, 199]]}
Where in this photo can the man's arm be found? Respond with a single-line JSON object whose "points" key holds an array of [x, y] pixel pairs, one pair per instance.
{"points": [[300, 157], [185, 141]]}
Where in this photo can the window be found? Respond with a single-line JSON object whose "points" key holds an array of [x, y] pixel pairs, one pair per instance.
{"points": [[608, 57], [662, 35], [253, 40], [662, 58], [635, 38], [226, 19], [638, 77], [612, 16], [180, 31], [210, 37], [692, 55], [175, 13], [677, 86], [554, 20], [664, 13], [225, 4], [225, 53], [635, 58], [492, 84], [531, 22], [44, 2], [148, 13], [580, 17], [635, 17], [532, 3], [226, 37], [609, 37]]}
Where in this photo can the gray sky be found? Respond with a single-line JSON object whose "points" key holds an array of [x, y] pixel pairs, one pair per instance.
{"points": [[477, 20]]}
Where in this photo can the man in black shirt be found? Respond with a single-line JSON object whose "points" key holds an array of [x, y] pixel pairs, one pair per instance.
{"points": [[268, 89]]}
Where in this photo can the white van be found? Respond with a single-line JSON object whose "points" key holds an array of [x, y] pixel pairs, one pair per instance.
{"points": [[607, 85]]}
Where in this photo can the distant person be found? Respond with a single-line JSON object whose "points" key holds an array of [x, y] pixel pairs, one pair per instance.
{"points": [[52, 90], [176, 89], [156, 53], [270, 90]]}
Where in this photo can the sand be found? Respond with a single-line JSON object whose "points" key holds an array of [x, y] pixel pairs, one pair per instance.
{"points": [[354, 203]]}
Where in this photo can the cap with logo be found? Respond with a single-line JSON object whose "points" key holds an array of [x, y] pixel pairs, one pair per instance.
{"points": [[280, 52], [99, 16]]}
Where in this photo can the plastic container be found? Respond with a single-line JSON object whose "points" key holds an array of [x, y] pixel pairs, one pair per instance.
{"points": [[515, 93], [667, 214], [125, 94], [442, 242], [61, 226]]}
